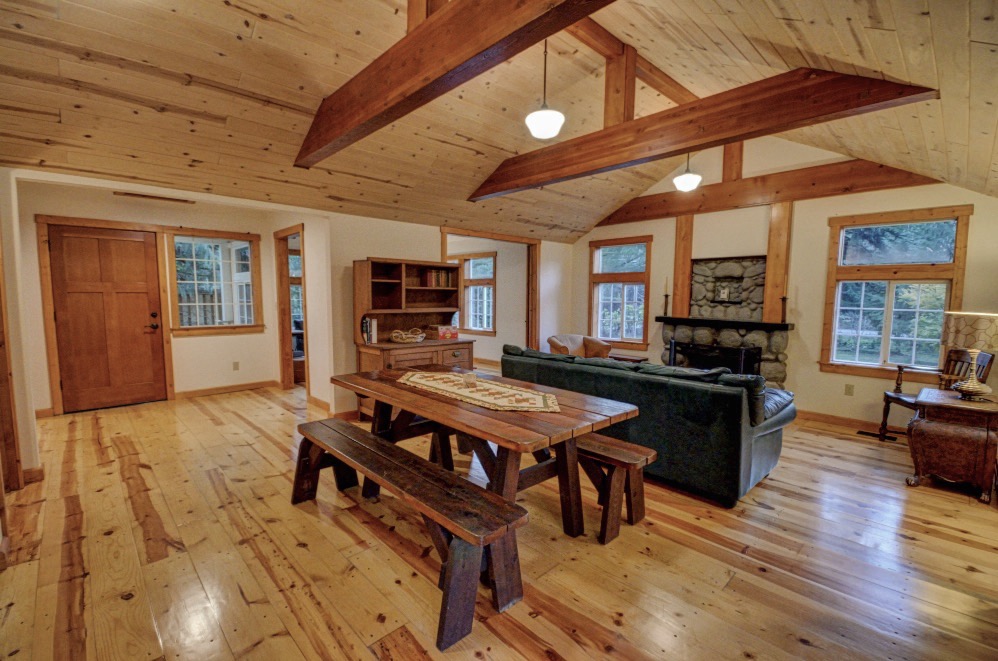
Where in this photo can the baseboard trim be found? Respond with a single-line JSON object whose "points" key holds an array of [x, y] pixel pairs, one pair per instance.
{"points": [[32, 475], [221, 390], [861, 425], [347, 415], [321, 403], [487, 362], [44, 413]]}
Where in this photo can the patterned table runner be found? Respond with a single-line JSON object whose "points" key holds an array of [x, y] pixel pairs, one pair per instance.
{"points": [[487, 394]]}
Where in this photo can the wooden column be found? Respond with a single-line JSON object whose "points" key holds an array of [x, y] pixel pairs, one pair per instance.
{"points": [[733, 156], [419, 10], [618, 97], [683, 268], [777, 261]]}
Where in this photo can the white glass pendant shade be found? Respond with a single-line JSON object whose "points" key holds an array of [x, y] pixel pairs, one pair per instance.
{"points": [[545, 123], [687, 181]]}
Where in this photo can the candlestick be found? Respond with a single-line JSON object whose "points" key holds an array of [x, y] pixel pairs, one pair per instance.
{"points": [[665, 308]]}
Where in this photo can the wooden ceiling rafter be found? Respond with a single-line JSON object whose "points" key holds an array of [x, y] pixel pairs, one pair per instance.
{"points": [[803, 96], [854, 176], [602, 41], [418, 11], [452, 46]]}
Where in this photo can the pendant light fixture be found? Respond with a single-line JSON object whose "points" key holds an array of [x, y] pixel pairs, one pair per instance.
{"points": [[545, 123], [687, 181]]}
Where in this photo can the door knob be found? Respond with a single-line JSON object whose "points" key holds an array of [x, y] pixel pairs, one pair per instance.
{"points": [[153, 326]]}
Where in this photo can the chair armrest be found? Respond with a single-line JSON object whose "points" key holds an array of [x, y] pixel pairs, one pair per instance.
{"points": [[911, 368]]}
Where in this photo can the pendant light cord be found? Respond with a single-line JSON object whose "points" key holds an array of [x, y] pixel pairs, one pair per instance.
{"points": [[544, 101]]}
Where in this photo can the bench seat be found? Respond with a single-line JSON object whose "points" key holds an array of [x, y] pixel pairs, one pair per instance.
{"points": [[615, 467], [463, 519]]}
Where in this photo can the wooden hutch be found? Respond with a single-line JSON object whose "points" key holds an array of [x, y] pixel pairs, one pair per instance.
{"points": [[401, 295]]}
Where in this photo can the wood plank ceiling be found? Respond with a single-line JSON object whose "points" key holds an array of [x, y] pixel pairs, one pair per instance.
{"points": [[216, 96]]}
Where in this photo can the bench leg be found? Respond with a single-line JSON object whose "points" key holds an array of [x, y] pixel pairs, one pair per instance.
{"points": [[306, 482], [504, 571], [635, 490], [610, 524], [566, 455], [344, 475], [460, 585], [440, 450], [597, 476]]}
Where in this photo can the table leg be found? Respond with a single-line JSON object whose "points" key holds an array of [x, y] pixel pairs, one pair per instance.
{"points": [[507, 475], [566, 455]]}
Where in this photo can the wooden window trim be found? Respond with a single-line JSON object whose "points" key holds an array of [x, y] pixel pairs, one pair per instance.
{"points": [[599, 278], [952, 273], [256, 279], [465, 282]]}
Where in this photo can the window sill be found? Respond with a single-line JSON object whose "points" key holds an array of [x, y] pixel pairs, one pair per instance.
{"points": [[889, 373], [465, 331], [217, 330], [628, 346]]}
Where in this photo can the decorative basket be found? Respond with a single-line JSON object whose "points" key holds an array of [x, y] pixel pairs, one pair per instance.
{"points": [[410, 336]]}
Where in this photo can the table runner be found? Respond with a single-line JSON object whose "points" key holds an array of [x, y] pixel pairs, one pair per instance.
{"points": [[487, 394]]}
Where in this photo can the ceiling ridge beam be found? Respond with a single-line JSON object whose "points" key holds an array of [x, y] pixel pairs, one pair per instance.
{"points": [[457, 43], [854, 176], [605, 43], [798, 98]]}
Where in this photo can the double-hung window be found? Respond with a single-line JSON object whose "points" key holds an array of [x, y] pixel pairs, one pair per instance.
{"points": [[618, 283], [478, 292], [216, 282], [890, 278]]}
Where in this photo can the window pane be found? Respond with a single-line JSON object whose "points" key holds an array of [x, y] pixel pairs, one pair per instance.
{"points": [[848, 320], [869, 350], [479, 308], [906, 297], [860, 322], [634, 312], [294, 266], [917, 323], [903, 325], [874, 294], [927, 353], [845, 348], [901, 351], [903, 243], [608, 311], [480, 268], [213, 281], [621, 259], [850, 294]]}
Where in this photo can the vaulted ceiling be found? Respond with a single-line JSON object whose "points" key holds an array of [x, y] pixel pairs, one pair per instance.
{"points": [[216, 96]]}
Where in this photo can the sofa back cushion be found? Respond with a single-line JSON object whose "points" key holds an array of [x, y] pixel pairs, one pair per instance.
{"points": [[685, 373]]}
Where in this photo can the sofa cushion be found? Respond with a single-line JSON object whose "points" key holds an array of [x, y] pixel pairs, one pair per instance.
{"points": [[686, 373], [512, 350], [533, 353], [776, 401], [609, 363]]}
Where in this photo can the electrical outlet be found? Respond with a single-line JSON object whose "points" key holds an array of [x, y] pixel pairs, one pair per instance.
{"points": [[850, 390], [235, 367]]}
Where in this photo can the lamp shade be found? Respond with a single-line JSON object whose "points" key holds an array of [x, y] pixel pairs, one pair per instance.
{"points": [[545, 123], [687, 181], [970, 330]]}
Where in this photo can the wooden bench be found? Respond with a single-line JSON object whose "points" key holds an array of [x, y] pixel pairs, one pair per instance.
{"points": [[615, 467], [462, 518]]}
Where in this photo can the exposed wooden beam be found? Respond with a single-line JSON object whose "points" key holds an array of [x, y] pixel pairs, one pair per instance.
{"points": [[734, 152], [601, 40], [777, 261], [797, 98], [682, 269], [856, 176], [618, 97], [458, 42]]}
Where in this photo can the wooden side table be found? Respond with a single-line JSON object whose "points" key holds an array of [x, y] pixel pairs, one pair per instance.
{"points": [[954, 439]]}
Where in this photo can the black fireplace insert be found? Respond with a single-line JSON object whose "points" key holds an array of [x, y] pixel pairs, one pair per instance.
{"points": [[740, 360]]}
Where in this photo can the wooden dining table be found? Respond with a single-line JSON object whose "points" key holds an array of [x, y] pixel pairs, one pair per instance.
{"points": [[499, 439]]}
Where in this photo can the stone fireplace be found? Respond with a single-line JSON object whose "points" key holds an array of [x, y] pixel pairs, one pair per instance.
{"points": [[726, 302]]}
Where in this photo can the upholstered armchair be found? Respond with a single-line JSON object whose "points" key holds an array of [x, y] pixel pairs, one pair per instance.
{"points": [[579, 345], [956, 368]]}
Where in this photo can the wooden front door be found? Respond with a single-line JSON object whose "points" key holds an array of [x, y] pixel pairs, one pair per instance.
{"points": [[105, 290]]}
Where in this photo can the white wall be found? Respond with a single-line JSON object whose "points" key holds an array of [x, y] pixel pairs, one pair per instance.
{"points": [[744, 232], [511, 292], [19, 334]]}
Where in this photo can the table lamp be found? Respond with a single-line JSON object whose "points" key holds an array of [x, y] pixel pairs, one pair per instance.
{"points": [[972, 331]]}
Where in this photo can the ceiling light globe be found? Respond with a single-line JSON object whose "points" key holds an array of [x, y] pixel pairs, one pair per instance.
{"points": [[545, 123], [687, 181]]}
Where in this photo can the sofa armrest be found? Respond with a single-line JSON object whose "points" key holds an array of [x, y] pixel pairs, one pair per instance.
{"points": [[778, 421]]}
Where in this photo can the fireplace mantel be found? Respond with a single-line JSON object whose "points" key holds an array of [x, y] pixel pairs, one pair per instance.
{"points": [[725, 323]]}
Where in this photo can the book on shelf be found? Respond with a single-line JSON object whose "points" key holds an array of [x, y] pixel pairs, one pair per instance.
{"points": [[369, 330]]}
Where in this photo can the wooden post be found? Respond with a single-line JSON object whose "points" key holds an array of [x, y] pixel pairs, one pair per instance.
{"points": [[620, 87], [777, 261], [733, 157], [682, 270]]}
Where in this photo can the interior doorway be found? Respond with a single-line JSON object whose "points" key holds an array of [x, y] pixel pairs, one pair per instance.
{"points": [[292, 328], [107, 317]]}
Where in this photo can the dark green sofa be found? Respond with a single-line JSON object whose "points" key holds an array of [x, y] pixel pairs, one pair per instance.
{"points": [[717, 434]]}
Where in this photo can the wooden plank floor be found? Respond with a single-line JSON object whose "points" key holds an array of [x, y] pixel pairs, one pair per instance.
{"points": [[165, 531]]}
